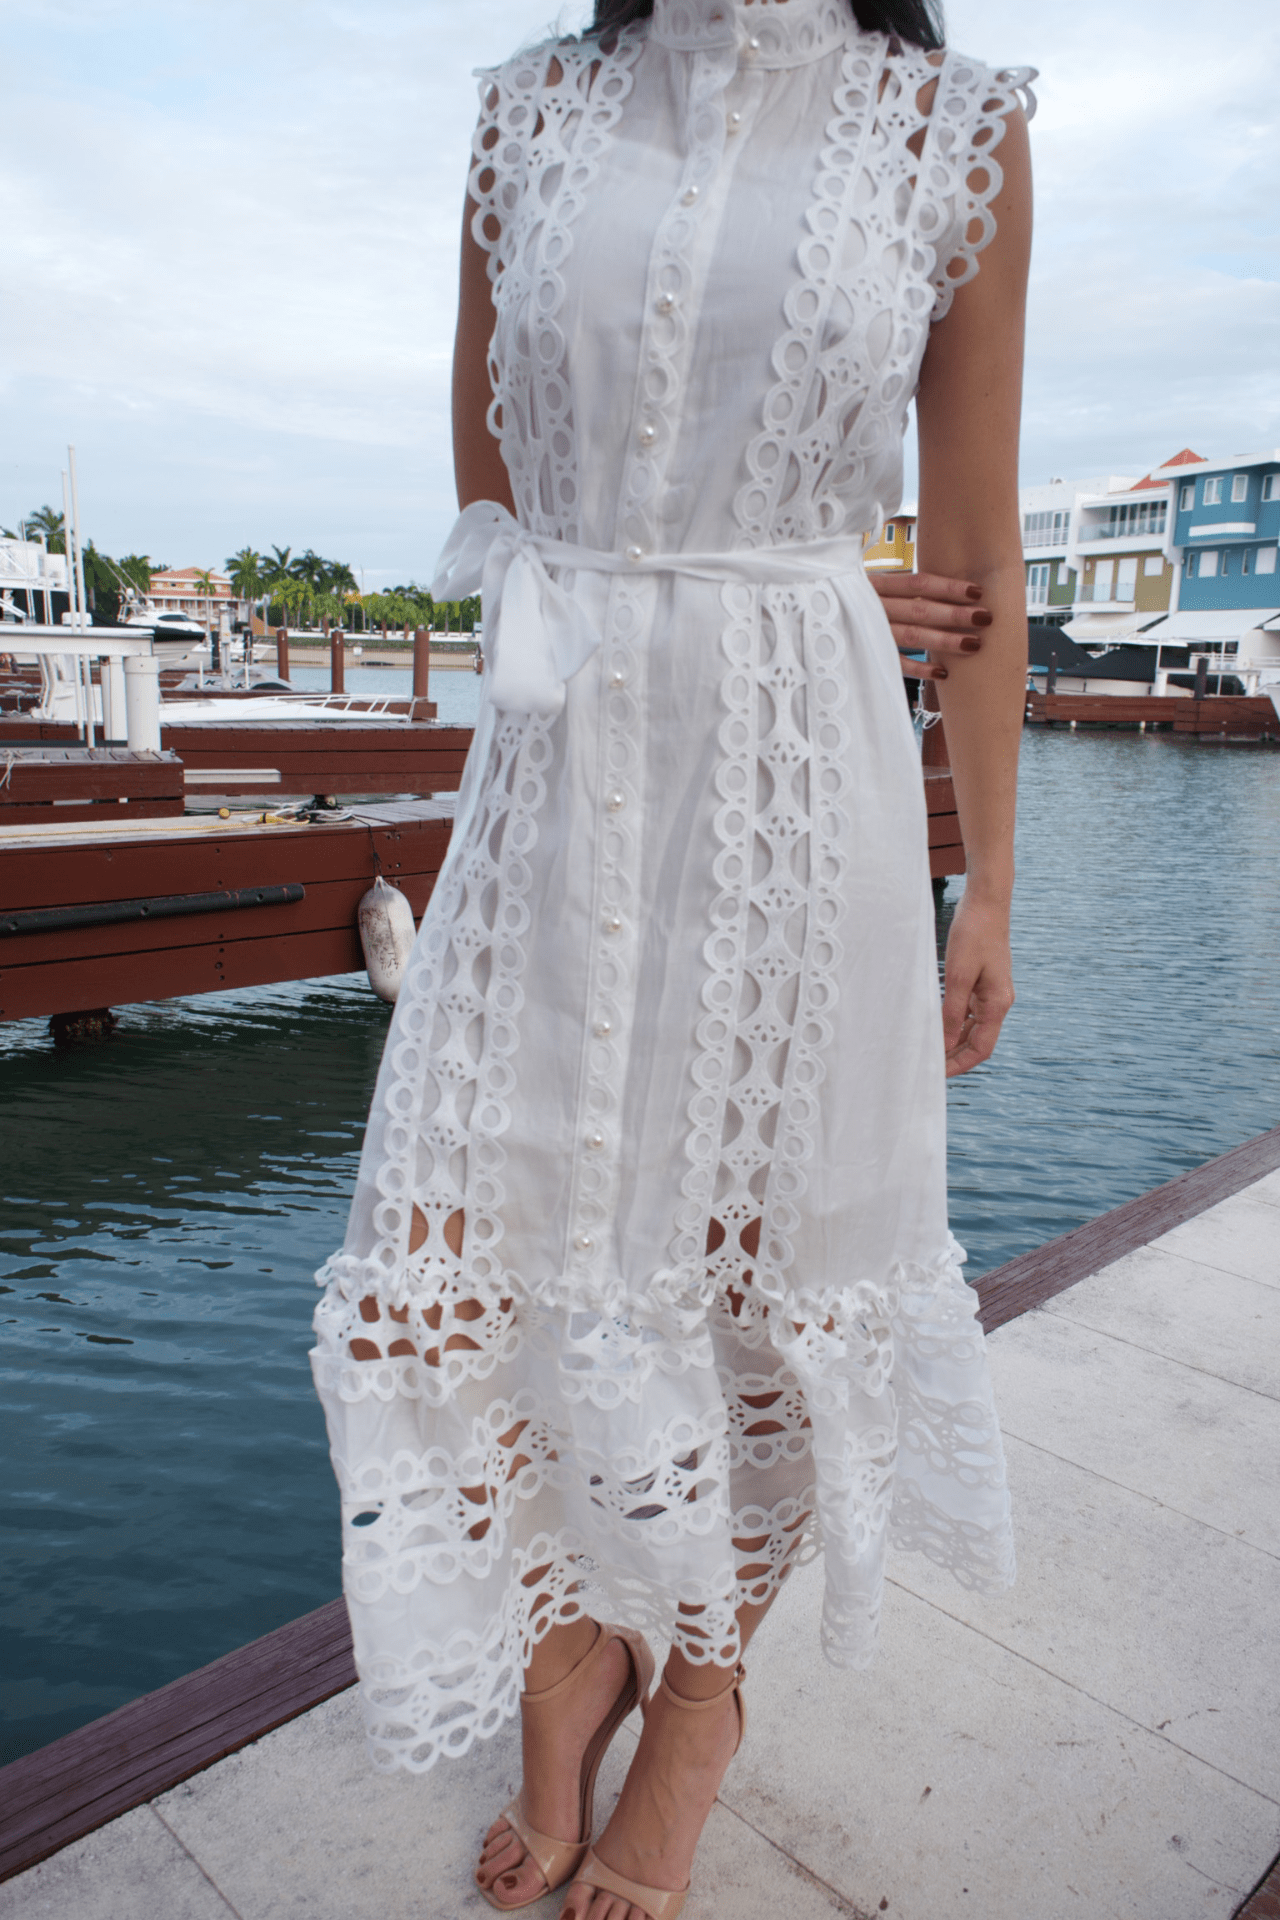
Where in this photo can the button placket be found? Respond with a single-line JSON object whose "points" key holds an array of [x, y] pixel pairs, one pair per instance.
{"points": [[614, 947], [664, 352]]}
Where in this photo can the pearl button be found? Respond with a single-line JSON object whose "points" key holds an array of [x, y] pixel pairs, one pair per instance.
{"points": [[753, 45], [689, 195], [612, 924], [647, 434], [595, 1141], [602, 1029], [583, 1242], [617, 678], [616, 801], [734, 121], [634, 553], [666, 303]]}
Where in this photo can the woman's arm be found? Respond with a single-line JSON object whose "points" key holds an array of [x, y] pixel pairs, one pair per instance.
{"points": [[478, 468], [968, 410]]}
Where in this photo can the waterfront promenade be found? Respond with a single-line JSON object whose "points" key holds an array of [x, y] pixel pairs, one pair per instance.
{"points": [[1103, 1741]]}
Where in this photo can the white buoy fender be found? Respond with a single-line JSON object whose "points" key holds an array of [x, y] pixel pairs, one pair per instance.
{"points": [[387, 933]]}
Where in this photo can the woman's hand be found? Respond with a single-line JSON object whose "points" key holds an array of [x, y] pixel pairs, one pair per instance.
{"points": [[928, 612], [979, 982]]}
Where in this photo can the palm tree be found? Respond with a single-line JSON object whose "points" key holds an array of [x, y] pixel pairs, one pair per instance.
{"points": [[245, 569], [247, 579], [44, 522], [276, 575], [208, 588]]}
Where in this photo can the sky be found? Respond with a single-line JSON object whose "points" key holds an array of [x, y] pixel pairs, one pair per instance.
{"points": [[229, 236]]}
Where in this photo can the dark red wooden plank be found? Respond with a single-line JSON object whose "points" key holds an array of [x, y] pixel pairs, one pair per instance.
{"points": [[1035, 1277], [78, 874], [27, 780], [78, 812], [1264, 1902], [67, 1789], [328, 904]]}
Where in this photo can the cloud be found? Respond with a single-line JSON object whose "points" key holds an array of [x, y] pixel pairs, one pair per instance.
{"points": [[230, 254]]}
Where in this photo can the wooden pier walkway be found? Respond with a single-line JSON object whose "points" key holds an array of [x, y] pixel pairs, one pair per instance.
{"points": [[1219, 716], [1102, 1741]]}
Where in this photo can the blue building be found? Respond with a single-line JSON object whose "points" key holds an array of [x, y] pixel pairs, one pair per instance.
{"points": [[1227, 526]]}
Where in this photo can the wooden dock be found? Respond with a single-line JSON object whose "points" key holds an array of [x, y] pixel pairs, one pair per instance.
{"points": [[1219, 716], [101, 917], [1101, 1740], [47, 784]]}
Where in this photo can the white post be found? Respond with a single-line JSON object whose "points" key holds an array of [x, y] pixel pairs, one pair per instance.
{"points": [[86, 664], [142, 702], [115, 707], [76, 681]]}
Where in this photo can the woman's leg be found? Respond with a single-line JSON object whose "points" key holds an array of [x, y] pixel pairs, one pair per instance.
{"points": [[671, 1785], [554, 1740]]}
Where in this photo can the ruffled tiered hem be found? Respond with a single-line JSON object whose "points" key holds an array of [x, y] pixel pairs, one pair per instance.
{"points": [[660, 1468]]}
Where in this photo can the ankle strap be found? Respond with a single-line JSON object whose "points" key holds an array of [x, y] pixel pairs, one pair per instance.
{"points": [[549, 1693], [712, 1700]]}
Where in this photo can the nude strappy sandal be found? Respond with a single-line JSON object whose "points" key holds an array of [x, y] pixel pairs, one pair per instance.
{"points": [[558, 1860], [658, 1902]]}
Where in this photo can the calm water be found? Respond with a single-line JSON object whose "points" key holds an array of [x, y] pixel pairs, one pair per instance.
{"points": [[455, 690], [168, 1494]]}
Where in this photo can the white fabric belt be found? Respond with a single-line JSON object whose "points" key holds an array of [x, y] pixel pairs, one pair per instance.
{"points": [[537, 636]]}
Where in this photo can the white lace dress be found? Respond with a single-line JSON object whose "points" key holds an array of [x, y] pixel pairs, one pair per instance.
{"points": [[667, 1059]]}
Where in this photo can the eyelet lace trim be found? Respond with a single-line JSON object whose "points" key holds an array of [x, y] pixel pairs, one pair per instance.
{"points": [[875, 270], [440, 1106], [962, 174], [537, 150]]}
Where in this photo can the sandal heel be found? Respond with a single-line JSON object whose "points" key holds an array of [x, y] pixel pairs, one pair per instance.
{"points": [[558, 1860]]}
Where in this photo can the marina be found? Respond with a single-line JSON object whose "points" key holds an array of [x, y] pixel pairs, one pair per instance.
{"points": [[160, 1276]]}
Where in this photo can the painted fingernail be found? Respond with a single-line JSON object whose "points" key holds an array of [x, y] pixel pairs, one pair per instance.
{"points": [[974, 593], [939, 673], [982, 618], [970, 646]]}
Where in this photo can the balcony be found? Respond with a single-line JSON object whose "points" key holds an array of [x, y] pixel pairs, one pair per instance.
{"points": [[1045, 537], [1109, 597], [1135, 536]]}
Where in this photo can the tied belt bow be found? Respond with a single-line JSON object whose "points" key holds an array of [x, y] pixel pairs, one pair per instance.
{"points": [[537, 636]]}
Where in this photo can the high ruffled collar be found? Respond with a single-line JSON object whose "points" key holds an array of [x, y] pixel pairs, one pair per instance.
{"points": [[769, 33]]}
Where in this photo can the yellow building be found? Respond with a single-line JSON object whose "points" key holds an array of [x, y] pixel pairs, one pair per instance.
{"points": [[896, 547]]}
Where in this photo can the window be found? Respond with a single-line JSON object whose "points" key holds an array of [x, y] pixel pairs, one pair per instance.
{"points": [[1045, 529], [1266, 559], [1127, 577], [1244, 560], [1271, 487], [1187, 497], [1208, 568], [1135, 516], [1189, 564], [1213, 491], [1038, 585], [1239, 487], [1103, 575], [1153, 566]]}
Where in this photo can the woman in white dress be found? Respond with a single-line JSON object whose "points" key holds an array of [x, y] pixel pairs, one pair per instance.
{"points": [[648, 1292]]}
